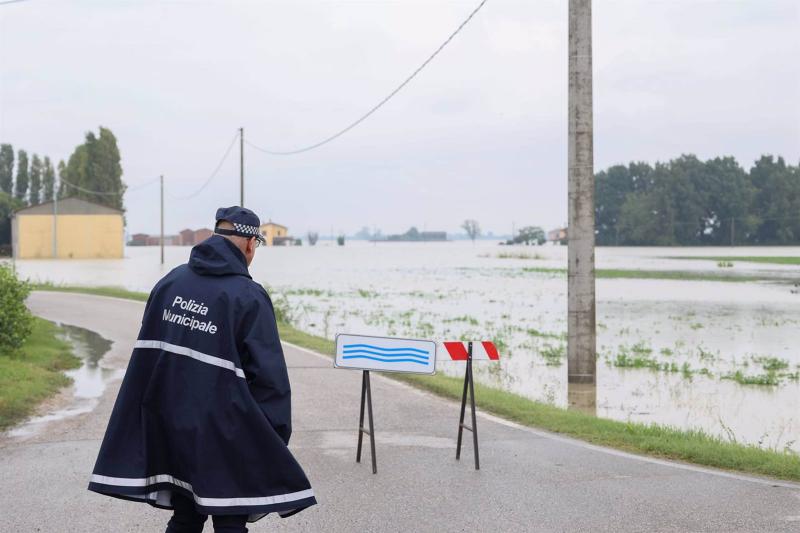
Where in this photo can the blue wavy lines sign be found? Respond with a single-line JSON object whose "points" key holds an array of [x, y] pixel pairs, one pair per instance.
{"points": [[388, 354]]}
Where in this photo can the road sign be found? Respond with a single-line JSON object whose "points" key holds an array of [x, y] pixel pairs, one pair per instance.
{"points": [[386, 354], [458, 351]]}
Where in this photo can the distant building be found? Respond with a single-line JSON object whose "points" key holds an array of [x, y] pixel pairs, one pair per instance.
{"points": [[138, 239], [202, 234], [169, 240], [74, 229], [558, 235], [272, 231], [286, 241], [187, 237]]}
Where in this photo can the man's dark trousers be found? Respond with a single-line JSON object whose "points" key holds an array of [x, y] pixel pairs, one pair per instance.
{"points": [[187, 520]]}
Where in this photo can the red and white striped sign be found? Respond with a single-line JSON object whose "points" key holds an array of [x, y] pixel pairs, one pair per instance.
{"points": [[458, 351]]}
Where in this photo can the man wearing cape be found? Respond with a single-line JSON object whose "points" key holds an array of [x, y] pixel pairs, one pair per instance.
{"points": [[203, 417]]}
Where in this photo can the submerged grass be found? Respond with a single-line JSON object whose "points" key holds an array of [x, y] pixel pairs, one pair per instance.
{"points": [[768, 379], [653, 440], [775, 260], [35, 373]]}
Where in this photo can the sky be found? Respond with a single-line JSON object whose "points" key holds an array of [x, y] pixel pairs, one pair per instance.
{"points": [[479, 134]]}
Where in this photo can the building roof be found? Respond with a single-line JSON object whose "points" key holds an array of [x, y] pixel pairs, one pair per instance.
{"points": [[271, 223], [69, 206]]}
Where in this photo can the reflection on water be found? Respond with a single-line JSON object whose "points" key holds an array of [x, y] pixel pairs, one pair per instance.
{"points": [[669, 351], [89, 380]]}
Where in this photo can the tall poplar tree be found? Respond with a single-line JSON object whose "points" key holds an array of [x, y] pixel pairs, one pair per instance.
{"points": [[22, 176], [95, 166], [62, 174], [48, 180], [6, 168], [36, 180]]}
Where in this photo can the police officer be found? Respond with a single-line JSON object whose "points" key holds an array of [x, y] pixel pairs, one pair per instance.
{"points": [[203, 417]]}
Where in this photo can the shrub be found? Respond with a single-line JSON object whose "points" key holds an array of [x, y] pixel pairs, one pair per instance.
{"points": [[16, 320]]}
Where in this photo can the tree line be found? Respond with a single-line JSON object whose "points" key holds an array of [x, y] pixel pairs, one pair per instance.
{"points": [[93, 172], [686, 201]]}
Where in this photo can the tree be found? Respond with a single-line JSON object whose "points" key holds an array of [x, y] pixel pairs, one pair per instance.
{"points": [[95, 166], [313, 236], [48, 180], [726, 198], [35, 180], [612, 186], [687, 201], [6, 168], [22, 175], [8, 204], [62, 173], [472, 228], [530, 234], [776, 201], [641, 220]]}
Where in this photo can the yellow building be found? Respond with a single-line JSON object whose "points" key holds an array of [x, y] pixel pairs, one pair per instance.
{"points": [[72, 229], [271, 230]]}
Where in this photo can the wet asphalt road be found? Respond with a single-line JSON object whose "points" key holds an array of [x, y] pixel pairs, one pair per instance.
{"points": [[529, 480]]}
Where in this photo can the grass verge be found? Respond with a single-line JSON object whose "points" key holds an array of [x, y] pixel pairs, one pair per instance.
{"points": [[35, 373], [115, 292], [652, 440], [680, 275]]}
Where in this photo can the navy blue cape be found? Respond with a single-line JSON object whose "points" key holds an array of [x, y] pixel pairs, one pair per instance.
{"points": [[205, 408]]}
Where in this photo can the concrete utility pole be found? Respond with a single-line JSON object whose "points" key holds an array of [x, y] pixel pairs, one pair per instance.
{"points": [[581, 331], [55, 221], [162, 219], [241, 167]]}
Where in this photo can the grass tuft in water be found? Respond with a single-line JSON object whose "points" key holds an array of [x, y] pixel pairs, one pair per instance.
{"points": [[768, 379], [553, 354]]}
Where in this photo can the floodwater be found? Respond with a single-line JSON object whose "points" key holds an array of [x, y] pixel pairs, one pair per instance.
{"points": [[680, 353], [88, 381]]}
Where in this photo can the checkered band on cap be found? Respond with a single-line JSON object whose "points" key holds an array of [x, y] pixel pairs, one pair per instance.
{"points": [[249, 230]]}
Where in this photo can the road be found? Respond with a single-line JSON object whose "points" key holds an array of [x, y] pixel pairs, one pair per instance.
{"points": [[529, 480]]}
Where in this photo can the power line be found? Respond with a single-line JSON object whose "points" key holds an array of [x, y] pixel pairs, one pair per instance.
{"points": [[213, 174], [108, 193], [379, 104], [11, 2]]}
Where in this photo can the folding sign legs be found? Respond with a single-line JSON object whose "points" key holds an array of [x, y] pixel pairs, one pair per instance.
{"points": [[468, 383], [366, 398]]}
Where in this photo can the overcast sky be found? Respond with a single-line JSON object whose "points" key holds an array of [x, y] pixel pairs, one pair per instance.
{"points": [[481, 133]]}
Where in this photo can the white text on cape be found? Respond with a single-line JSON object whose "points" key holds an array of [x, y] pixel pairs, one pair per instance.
{"points": [[190, 321]]}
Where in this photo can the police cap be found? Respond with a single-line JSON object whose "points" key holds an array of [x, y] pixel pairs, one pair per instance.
{"points": [[245, 222]]}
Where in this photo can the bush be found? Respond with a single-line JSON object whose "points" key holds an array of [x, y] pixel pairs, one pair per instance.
{"points": [[16, 321]]}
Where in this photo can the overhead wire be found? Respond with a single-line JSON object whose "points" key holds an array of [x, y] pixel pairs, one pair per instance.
{"points": [[108, 193], [213, 174], [379, 104]]}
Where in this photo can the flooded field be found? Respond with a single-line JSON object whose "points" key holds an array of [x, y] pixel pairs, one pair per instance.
{"points": [[720, 356]]}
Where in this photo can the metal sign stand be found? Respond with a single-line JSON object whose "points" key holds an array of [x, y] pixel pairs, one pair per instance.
{"points": [[366, 397], [468, 382]]}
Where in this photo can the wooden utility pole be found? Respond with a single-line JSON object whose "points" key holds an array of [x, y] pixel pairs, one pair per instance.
{"points": [[581, 330], [162, 219], [241, 167]]}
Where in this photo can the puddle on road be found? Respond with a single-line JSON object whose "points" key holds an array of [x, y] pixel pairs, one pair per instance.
{"points": [[89, 380]]}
